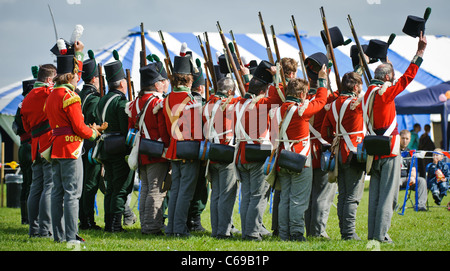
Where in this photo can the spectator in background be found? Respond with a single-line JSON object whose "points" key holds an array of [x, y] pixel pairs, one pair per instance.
{"points": [[425, 144], [414, 143], [421, 186], [438, 174]]}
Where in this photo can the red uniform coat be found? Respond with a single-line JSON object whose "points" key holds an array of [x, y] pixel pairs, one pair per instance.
{"points": [[316, 123], [35, 119], [384, 105], [153, 119], [223, 122], [298, 128], [255, 119], [189, 124], [63, 109], [352, 122]]}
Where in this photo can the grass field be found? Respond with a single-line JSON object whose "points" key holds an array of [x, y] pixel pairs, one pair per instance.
{"points": [[413, 231]]}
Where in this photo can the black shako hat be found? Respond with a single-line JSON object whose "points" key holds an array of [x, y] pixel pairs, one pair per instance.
{"points": [[336, 37], [70, 49], [354, 54], [150, 75], [114, 70], [224, 68], [414, 25], [183, 64], [66, 64], [159, 65], [199, 78], [261, 72], [90, 69], [314, 64], [252, 66], [27, 86], [378, 49], [219, 75]]}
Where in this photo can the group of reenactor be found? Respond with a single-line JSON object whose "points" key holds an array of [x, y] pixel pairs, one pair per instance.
{"points": [[187, 142]]}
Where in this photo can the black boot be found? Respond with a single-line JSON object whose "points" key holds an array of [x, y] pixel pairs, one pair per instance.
{"points": [[116, 223], [92, 224], [108, 222], [84, 223], [195, 224], [24, 211]]}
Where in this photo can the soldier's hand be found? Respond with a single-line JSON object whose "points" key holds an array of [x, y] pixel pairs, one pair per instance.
{"points": [[323, 72], [78, 46], [272, 70], [104, 126], [244, 70], [422, 44], [99, 128]]}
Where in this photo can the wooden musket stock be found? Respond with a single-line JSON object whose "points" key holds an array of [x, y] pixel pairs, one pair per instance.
{"points": [[233, 64], [330, 45]]}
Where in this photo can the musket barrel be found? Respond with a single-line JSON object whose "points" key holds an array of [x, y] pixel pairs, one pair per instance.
{"points": [[360, 50], [233, 64], [300, 47], [330, 45]]}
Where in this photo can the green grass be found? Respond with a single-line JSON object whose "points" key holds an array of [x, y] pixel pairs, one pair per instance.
{"points": [[414, 231]]}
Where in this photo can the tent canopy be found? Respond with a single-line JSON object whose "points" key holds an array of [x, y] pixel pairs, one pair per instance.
{"points": [[252, 47], [427, 101]]}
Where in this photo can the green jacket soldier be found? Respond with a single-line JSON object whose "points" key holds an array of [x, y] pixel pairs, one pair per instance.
{"points": [[90, 97], [111, 109]]}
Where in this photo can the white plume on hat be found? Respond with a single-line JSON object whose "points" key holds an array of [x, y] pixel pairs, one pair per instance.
{"points": [[245, 61], [183, 49], [61, 46], [76, 34], [217, 56]]}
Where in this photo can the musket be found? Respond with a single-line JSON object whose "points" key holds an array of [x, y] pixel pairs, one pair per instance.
{"points": [[236, 51], [167, 60], [207, 83], [129, 85], [233, 64], [277, 52], [300, 48], [263, 28], [209, 67], [330, 45], [143, 53], [362, 57], [101, 80], [210, 60]]}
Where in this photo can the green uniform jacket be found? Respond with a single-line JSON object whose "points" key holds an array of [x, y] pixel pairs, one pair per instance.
{"points": [[115, 115], [89, 100]]}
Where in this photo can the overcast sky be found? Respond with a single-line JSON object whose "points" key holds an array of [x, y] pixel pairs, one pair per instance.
{"points": [[26, 29]]}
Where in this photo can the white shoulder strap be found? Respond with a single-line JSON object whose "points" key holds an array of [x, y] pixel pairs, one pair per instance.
{"points": [[240, 131], [106, 106]]}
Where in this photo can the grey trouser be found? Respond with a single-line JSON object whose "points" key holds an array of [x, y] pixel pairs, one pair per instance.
{"points": [[383, 195], [151, 196], [39, 201], [322, 195], [66, 193], [421, 190], [223, 196], [350, 188], [294, 200], [253, 199], [184, 180]]}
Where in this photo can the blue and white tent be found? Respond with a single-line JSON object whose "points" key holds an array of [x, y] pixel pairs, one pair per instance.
{"points": [[252, 46]]}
